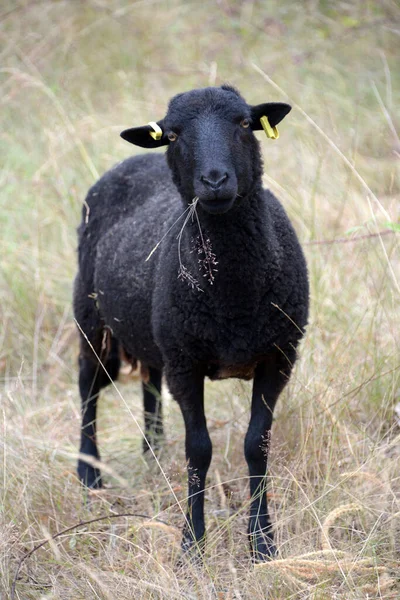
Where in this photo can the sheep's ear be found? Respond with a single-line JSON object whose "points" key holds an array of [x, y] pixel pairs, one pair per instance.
{"points": [[274, 111], [148, 136]]}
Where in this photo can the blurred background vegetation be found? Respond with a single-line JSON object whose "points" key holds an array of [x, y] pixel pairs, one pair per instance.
{"points": [[73, 75]]}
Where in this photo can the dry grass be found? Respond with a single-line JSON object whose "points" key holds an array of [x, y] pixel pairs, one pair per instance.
{"points": [[73, 75]]}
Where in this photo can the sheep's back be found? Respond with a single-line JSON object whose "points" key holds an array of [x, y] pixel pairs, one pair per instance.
{"points": [[116, 197]]}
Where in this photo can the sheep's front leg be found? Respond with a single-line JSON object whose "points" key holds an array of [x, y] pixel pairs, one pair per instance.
{"points": [[269, 380], [188, 390]]}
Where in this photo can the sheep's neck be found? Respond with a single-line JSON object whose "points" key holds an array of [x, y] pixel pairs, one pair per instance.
{"points": [[241, 241], [247, 222]]}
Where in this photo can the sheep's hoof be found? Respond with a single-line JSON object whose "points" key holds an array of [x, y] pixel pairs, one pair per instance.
{"points": [[89, 476], [262, 548], [265, 554], [192, 550], [190, 558], [155, 443]]}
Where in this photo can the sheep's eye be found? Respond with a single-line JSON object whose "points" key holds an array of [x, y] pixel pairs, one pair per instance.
{"points": [[245, 123], [172, 136]]}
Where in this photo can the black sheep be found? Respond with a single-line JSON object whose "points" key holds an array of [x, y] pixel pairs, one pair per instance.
{"points": [[225, 293]]}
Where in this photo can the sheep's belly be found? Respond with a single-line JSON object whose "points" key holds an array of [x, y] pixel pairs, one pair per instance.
{"points": [[243, 371]]}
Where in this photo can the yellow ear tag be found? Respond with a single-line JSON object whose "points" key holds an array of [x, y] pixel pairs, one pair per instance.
{"points": [[270, 132], [157, 133]]}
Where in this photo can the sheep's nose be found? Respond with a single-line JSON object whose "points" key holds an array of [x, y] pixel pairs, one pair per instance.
{"points": [[214, 180]]}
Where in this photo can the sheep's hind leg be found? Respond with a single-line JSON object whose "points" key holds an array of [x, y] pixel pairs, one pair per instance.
{"points": [[152, 410], [91, 379], [269, 380]]}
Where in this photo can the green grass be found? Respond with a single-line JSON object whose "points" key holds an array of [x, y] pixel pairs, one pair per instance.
{"points": [[72, 76]]}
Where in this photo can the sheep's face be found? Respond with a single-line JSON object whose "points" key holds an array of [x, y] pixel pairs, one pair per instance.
{"points": [[212, 151]]}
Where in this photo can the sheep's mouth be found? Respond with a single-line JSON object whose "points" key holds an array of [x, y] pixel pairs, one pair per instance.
{"points": [[217, 206]]}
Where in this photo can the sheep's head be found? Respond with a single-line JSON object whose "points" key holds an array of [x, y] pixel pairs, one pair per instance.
{"points": [[212, 151]]}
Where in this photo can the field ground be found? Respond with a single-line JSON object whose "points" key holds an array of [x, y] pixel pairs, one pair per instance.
{"points": [[73, 75]]}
